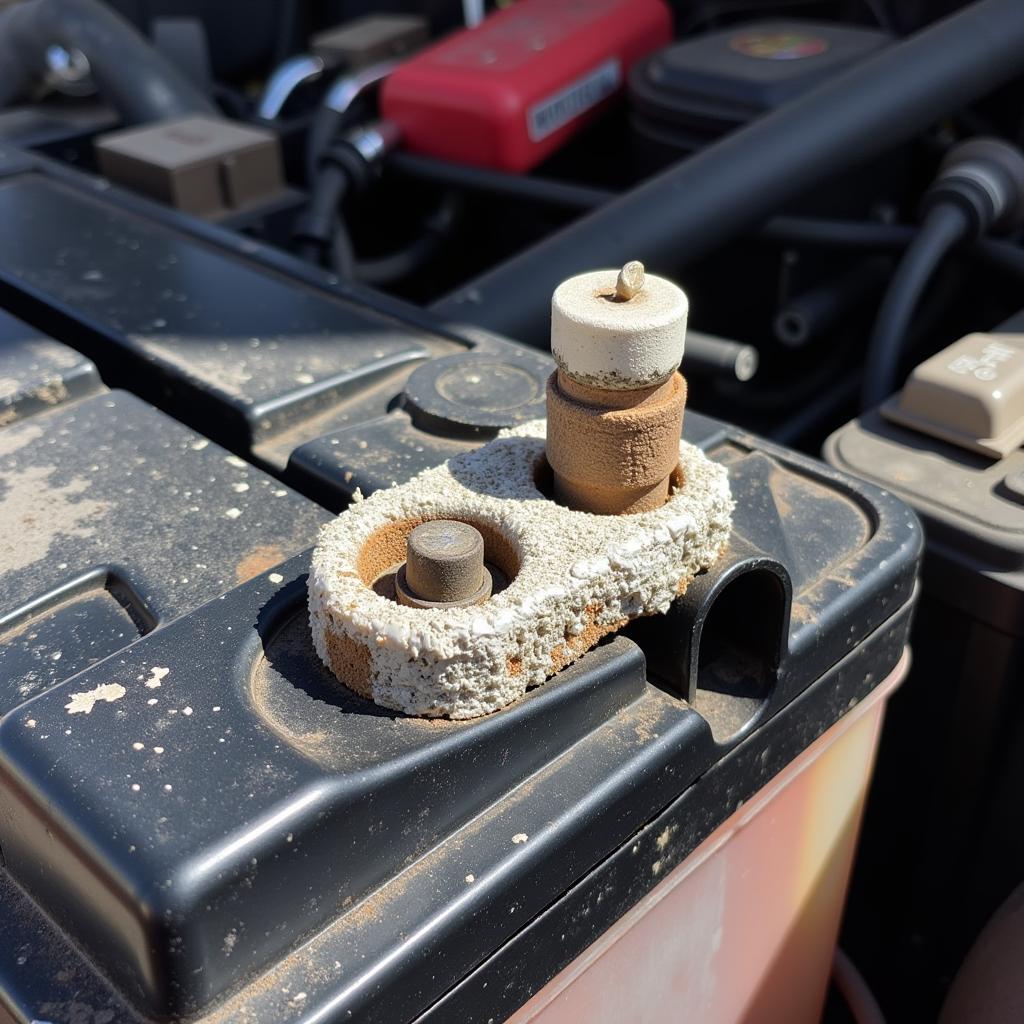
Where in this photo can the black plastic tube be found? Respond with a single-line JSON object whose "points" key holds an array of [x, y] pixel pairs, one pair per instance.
{"points": [[694, 207], [130, 74], [434, 233], [712, 356], [837, 234], [511, 186], [809, 315], [321, 231], [944, 226], [1000, 254]]}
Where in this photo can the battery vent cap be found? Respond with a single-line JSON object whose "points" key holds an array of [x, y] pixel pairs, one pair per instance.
{"points": [[970, 394]]}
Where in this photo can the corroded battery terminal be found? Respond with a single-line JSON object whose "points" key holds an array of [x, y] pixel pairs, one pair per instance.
{"points": [[615, 404], [444, 567]]}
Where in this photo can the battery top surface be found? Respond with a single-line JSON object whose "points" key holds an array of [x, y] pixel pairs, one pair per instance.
{"points": [[196, 820]]}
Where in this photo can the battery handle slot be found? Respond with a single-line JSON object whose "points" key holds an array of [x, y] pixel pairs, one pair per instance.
{"points": [[739, 646]]}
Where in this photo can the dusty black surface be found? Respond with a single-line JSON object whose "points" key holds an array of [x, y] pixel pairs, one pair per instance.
{"points": [[195, 820]]}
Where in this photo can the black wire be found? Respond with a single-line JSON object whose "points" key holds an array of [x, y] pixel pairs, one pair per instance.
{"points": [[1000, 254], [326, 124], [839, 234], [513, 186], [343, 257], [320, 223], [322, 233], [396, 265], [944, 226], [834, 386], [1003, 256]]}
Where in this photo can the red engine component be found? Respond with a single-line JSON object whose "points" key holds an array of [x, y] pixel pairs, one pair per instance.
{"points": [[509, 92]]}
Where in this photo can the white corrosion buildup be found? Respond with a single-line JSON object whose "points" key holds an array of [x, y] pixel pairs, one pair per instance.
{"points": [[618, 330], [575, 577]]}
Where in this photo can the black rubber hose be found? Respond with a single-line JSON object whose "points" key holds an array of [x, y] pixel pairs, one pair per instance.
{"points": [[837, 234], [512, 186], [999, 254], [1004, 256], [435, 232], [343, 255], [138, 81], [694, 207], [943, 227], [320, 231], [809, 315], [325, 126]]}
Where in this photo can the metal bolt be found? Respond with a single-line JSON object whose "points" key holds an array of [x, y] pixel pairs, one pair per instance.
{"points": [[444, 565], [630, 281]]}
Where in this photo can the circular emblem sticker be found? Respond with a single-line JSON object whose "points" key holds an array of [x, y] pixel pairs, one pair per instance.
{"points": [[778, 45]]}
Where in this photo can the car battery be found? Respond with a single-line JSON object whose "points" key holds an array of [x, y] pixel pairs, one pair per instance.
{"points": [[950, 764], [198, 822]]}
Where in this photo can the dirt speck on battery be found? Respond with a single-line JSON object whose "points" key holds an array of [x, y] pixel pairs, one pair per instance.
{"points": [[37, 512], [258, 561], [83, 703], [156, 674]]}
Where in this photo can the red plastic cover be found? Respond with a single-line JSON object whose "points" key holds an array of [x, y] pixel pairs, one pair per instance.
{"points": [[511, 91]]}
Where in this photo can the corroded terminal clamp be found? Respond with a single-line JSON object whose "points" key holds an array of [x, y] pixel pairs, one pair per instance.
{"points": [[615, 404], [402, 606]]}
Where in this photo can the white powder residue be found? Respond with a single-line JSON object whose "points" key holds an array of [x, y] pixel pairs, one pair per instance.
{"points": [[36, 511], [576, 577], [156, 674], [83, 703]]}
